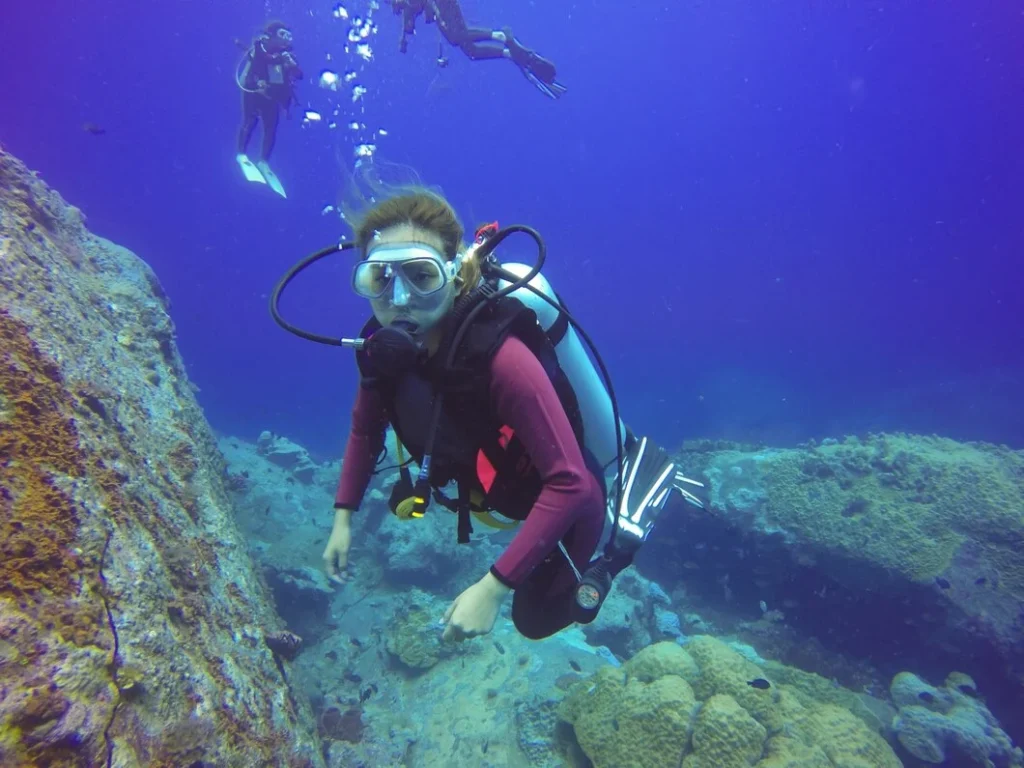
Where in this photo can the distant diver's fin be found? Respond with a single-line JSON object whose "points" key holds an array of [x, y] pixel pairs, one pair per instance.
{"points": [[271, 178], [252, 173], [535, 68], [649, 477], [552, 90]]}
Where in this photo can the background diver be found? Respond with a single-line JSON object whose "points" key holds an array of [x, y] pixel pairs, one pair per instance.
{"points": [[478, 43], [266, 77], [526, 429]]}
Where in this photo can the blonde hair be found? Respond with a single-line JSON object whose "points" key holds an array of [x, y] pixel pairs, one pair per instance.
{"points": [[427, 210]]}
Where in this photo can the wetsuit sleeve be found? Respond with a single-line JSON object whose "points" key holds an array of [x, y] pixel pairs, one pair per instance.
{"points": [[294, 70], [365, 442], [524, 399]]}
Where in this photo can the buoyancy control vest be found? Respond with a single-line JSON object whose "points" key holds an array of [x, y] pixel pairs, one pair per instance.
{"points": [[473, 447]]}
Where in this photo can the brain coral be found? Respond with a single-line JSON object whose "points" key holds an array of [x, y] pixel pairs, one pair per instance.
{"points": [[694, 707]]}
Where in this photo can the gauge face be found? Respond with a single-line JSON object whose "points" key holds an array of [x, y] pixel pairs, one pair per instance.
{"points": [[588, 597]]}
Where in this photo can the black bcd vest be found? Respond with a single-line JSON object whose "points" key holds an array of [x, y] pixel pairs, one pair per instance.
{"points": [[469, 430]]}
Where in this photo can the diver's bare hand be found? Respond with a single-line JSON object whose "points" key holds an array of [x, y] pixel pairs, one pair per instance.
{"points": [[336, 552]]}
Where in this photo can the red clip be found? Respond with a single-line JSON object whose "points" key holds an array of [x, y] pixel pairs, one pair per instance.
{"points": [[485, 231]]}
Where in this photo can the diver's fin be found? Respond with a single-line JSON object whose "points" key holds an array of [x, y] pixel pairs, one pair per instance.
{"points": [[689, 490], [271, 178], [538, 70], [252, 173], [552, 90], [648, 479]]}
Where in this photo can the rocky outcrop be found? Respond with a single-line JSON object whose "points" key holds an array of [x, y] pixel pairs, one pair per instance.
{"points": [[908, 550], [132, 621]]}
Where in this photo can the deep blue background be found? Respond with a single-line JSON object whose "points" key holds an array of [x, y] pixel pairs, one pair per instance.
{"points": [[778, 219]]}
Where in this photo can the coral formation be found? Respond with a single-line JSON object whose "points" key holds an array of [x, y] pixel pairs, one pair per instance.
{"points": [[415, 641], [696, 706], [910, 502], [939, 723]]}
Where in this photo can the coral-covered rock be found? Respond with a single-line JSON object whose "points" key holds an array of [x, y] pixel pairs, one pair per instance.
{"points": [[630, 722], [936, 724], [662, 659], [714, 717], [920, 535], [130, 616], [725, 736], [288, 455]]}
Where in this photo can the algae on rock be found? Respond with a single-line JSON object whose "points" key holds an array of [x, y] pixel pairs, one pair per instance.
{"points": [[131, 619]]}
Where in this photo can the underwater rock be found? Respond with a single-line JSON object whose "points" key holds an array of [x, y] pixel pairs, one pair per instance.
{"points": [[423, 552], [131, 619], [537, 727], [920, 535], [629, 619], [283, 453], [939, 723]]}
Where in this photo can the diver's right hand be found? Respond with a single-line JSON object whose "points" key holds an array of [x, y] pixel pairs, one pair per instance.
{"points": [[336, 552]]}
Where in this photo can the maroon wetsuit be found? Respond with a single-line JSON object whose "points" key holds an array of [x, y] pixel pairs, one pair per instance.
{"points": [[570, 507]]}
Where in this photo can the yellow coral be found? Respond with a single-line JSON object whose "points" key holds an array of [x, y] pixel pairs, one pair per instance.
{"points": [[662, 659], [622, 719], [786, 752], [646, 725], [723, 670], [846, 740], [725, 736]]}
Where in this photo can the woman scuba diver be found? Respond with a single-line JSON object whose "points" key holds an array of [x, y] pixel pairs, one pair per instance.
{"points": [[485, 391]]}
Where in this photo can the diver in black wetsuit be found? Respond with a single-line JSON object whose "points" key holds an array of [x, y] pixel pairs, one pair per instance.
{"points": [[478, 43], [267, 81]]}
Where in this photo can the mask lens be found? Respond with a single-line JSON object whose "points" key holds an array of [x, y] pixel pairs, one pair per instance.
{"points": [[423, 276], [419, 275], [372, 278]]}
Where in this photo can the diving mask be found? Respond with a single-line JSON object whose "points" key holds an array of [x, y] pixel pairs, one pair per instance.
{"points": [[410, 271]]}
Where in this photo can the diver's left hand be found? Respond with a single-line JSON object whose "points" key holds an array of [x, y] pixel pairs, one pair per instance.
{"points": [[474, 612]]}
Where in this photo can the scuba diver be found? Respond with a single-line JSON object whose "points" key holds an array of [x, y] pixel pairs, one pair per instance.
{"points": [[480, 371], [478, 43], [266, 77]]}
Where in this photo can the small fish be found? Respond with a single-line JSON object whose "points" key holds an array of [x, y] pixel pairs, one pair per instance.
{"points": [[484, 747], [499, 647], [981, 581], [93, 129], [760, 683], [943, 583], [356, 642], [266, 512], [364, 695], [576, 667], [332, 655], [615, 723], [353, 677]]}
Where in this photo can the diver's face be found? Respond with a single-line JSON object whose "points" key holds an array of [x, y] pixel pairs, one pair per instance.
{"points": [[401, 301], [282, 39]]}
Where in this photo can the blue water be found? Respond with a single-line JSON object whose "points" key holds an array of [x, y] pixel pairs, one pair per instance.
{"points": [[779, 220]]}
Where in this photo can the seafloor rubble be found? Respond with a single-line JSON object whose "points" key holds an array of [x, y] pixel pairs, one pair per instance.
{"points": [[854, 603]]}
